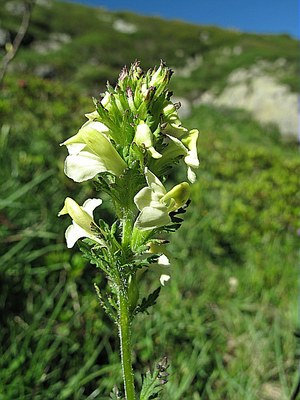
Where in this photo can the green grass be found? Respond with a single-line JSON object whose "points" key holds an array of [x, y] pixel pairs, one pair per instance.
{"points": [[227, 317], [97, 51]]}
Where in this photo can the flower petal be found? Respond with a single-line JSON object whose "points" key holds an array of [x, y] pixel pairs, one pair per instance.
{"points": [[163, 260], [144, 138], [73, 233], [75, 148], [177, 196], [164, 278], [179, 144], [153, 153], [80, 216], [154, 183], [147, 198], [90, 204], [95, 126], [101, 146], [82, 220], [190, 141], [92, 115], [150, 218], [83, 166], [191, 175]]}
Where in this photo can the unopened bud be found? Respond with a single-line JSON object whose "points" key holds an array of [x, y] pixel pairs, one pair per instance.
{"points": [[144, 138], [123, 73], [178, 195]]}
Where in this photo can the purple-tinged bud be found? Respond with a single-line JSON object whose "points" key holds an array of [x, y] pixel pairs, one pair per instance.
{"points": [[150, 93], [123, 73], [129, 92], [130, 99], [136, 70]]}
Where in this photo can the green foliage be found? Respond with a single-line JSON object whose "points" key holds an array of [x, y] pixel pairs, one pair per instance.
{"points": [[148, 302], [96, 50], [227, 317], [153, 382]]}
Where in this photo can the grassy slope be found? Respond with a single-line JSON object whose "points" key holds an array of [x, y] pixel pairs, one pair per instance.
{"points": [[97, 51], [226, 338]]}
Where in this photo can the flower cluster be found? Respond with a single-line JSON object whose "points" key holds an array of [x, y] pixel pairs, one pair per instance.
{"points": [[128, 146]]}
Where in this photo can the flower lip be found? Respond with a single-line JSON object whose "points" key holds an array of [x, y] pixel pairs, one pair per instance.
{"points": [[155, 203], [186, 146], [82, 220], [178, 195], [91, 152]]}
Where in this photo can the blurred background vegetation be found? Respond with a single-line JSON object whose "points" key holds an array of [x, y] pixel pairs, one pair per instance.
{"points": [[227, 318]]}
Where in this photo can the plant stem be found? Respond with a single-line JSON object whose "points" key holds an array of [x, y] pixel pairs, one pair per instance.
{"points": [[125, 344], [127, 230]]}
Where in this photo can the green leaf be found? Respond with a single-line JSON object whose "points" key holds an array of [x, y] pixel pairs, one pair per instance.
{"points": [[153, 382], [107, 304], [147, 302]]}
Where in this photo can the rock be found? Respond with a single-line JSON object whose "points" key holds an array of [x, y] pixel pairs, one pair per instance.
{"points": [[45, 47], [55, 42], [192, 64], [204, 36], [237, 50], [45, 71], [125, 27], [60, 37], [263, 96], [15, 7]]}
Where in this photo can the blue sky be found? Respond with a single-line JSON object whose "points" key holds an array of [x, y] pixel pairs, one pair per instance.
{"points": [[261, 16]]}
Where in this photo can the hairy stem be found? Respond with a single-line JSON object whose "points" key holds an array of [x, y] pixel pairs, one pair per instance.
{"points": [[125, 344], [127, 229]]}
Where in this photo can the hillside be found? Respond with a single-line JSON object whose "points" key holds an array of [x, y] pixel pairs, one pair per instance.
{"points": [[227, 318], [86, 46]]}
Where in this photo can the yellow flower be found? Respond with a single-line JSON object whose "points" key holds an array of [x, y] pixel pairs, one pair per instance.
{"points": [[82, 220], [91, 152], [182, 138], [155, 203]]}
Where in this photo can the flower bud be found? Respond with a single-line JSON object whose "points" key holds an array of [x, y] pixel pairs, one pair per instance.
{"points": [[178, 195], [144, 138], [170, 113], [160, 76], [106, 101], [136, 71], [123, 74]]}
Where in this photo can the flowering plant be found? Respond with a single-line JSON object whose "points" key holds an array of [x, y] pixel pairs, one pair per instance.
{"points": [[128, 147]]}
